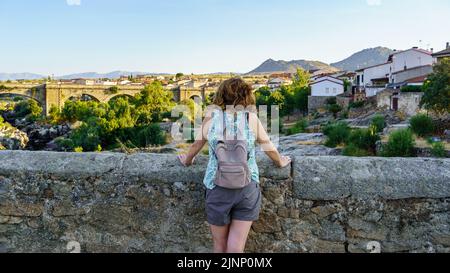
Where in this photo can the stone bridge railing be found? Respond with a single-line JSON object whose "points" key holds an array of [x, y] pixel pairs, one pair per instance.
{"points": [[111, 202]]}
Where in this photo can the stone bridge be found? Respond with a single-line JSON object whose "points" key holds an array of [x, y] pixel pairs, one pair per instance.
{"points": [[113, 202], [182, 93], [57, 94]]}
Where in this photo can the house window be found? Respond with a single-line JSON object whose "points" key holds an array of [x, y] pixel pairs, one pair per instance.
{"points": [[334, 91], [327, 90]]}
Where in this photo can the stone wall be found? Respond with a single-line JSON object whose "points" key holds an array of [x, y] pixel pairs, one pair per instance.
{"points": [[408, 102], [112, 202], [314, 103]]}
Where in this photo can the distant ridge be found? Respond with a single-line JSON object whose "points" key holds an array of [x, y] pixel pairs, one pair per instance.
{"points": [[95, 75], [364, 58], [272, 66], [20, 76], [361, 59], [86, 75]]}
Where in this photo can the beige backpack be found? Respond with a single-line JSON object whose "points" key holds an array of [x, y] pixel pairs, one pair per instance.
{"points": [[232, 157]]}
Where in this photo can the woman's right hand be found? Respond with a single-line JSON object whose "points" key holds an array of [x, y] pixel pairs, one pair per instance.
{"points": [[284, 161], [185, 161]]}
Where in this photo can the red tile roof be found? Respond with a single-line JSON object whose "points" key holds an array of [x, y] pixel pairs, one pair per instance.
{"points": [[417, 79]]}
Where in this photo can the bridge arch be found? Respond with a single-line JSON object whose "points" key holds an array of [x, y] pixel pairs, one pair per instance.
{"points": [[83, 97], [196, 98], [128, 96], [5, 94]]}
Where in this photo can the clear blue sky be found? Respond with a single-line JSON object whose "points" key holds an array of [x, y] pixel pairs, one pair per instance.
{"points": [[198, 36]]}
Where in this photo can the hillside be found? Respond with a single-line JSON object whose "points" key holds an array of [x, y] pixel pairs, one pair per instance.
{"points": [[20, 76], [271, 66], [95, 75], [364, 58]]}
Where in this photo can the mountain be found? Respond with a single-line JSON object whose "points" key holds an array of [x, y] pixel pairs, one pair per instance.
{"points": [[95, 75], [272, 66], [86, 75], [364, 58], [20, 76]]}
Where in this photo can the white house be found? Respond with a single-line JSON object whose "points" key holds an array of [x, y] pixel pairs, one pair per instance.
{"points": [[439, 56], [327, 87], [275, 83], [407, 59], [125, 82], [375, 78], [108, 83], [84, 81]]}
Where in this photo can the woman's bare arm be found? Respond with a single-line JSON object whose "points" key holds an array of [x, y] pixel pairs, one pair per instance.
{"points": [[266, 144], [200, 140]]}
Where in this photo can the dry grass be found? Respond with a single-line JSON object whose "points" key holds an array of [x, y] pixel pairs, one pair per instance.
{"points": [[309, 143], [419, 142], [423, 143], [182, 145], [184, 148]]}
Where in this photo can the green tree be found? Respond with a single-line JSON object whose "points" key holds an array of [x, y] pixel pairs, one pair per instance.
{"points": [[301, 78], [28, 109], [152, 102], [436, 89], [86, 136], [289, 103], [179, 76], [150, 135], [54, 114], [262, 96], [276, 98], [301, 95]]}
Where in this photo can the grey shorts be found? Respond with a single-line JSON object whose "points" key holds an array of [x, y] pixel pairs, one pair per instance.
{"points": [[224, 205]]}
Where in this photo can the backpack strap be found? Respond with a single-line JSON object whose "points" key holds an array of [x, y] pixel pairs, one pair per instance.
{"points": [[224, 124]]}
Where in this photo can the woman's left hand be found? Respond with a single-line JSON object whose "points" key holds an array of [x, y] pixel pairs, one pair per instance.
{"points": [[185, 160]]}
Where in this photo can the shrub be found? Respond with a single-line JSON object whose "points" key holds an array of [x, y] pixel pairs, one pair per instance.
{"points": [[422, 125], [337, 133], [299, 127], [438, 150], [364, 139], [353, 150], [150, 135], [113, 90], [400, 144], [86, 136], [379, 123], [411, 88], [356, 104], [334, 108], [29, 109], [331, 101], [3, 87]]}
